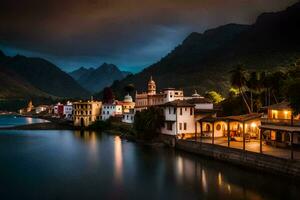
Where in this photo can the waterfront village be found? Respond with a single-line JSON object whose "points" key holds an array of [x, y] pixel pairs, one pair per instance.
{"points": [[273, 131]]}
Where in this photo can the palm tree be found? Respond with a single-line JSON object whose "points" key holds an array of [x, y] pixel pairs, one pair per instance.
{"points": [[276, 81], [238, 80], [253, 85]]}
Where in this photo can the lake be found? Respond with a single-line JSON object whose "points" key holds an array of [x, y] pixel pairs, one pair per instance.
{"points": [[90, 165], [12, 120]]}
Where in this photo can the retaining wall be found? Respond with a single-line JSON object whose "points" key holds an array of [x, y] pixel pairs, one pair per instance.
{"points": [[243, 158]]}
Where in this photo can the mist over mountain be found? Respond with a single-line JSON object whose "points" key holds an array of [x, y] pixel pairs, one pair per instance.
{"points": [[95, 80], [203, 60]]}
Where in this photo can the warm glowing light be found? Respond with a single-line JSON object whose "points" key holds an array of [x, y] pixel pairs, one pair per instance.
{"points": [[253, 125]]}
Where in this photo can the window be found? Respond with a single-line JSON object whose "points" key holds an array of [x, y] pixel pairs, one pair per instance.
{"points": [[169, 110], [184, 126], [174, 110], [218, 127], [180, 111], [180, 126], [169, 126], [191, 111]]}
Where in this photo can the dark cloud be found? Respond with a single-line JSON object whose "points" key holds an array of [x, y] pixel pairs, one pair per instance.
{"points": [[126, 32]]}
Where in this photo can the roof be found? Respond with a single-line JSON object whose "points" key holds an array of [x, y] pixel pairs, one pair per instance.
{"points": [[178, 103], [280, 106], [239, 118], [199, 100], [202, 111], [246, 117], [281, 128]]}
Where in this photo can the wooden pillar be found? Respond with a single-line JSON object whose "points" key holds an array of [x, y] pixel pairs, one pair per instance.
{"points": [[260, 139], [201, 131], [228, 133], [213, 133], [196, 131], [292, 141], [244, 139], [292, 119]]}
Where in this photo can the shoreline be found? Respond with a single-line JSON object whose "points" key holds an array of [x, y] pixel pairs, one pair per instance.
{"points": [[247, 160]]}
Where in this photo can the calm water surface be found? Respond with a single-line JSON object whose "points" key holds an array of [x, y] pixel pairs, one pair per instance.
{"points": [[11, 120], [89, 165]]}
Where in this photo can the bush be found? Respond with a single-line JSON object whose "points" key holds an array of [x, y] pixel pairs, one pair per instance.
{"points": [[147, 123]]}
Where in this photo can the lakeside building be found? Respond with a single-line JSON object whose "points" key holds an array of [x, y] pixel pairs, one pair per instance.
{"points": [[59, 109], [128, 109], [128, 104], [86, 112], [179, 118], [234, 128], [150, 98], [111, 110], [41, 108], [68, 110], [128, 117], [28, 109], [280, 127]]}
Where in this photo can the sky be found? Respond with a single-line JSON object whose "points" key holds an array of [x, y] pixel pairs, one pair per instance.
{"points": [[132, 34]]}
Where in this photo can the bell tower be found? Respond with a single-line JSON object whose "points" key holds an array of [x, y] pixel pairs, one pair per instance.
{"points": [[151, 87]]}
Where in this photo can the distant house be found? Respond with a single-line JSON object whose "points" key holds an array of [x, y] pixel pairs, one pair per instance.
{"points": [[59, 109], [86, 112], [41, 108], [128, 117], [150, 98], [68, 110], [280, 127], [128, 109], [111, 110]]}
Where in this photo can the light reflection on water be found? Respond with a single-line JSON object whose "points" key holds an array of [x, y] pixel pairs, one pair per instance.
{"points": [[97, 165], [118, 162]]}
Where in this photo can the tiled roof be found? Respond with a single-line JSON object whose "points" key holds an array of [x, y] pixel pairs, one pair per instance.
{"points": [[178, 103], [199, 100], [239, 118], [280, 106]]}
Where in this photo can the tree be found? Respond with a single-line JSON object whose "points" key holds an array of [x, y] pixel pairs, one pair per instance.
{"points": [[293, 96], [238, 80], [214, 96], [108, 96], [129, 88], [148, 123]]}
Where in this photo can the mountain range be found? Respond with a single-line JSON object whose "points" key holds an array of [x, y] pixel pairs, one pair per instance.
{"points": [[24, 77], [95, 79], [203, 60]]}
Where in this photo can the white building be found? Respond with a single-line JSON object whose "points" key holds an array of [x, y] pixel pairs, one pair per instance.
{"points": [[128, 117], [179, 118], [41, 108], [170, 94], [68, 110], [111, 110]]}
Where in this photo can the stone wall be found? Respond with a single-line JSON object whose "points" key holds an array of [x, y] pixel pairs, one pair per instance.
{"points": [[239, 157]]}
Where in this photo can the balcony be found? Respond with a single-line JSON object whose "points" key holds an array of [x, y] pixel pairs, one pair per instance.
{"points": [[279, 122]]}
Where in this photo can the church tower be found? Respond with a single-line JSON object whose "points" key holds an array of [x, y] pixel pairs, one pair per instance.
{"points": [[151, 87]]}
